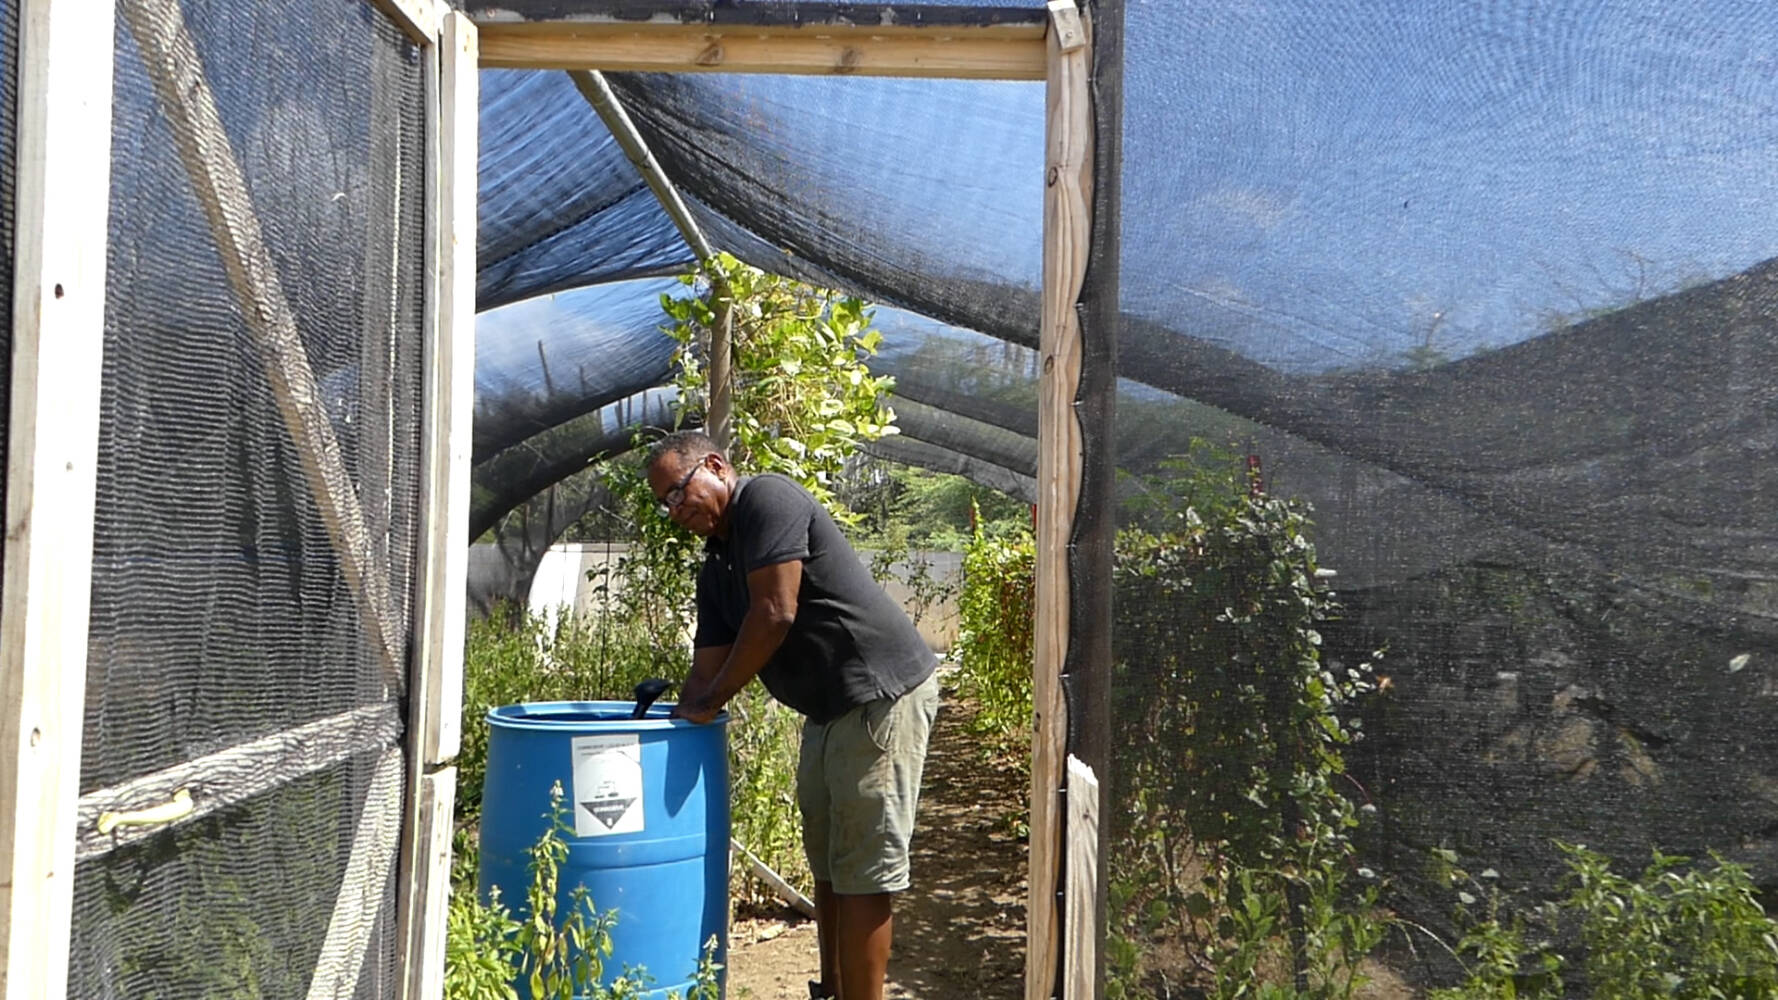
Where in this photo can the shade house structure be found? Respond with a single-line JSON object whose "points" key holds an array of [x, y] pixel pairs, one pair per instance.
{"points": [[304, 297]]}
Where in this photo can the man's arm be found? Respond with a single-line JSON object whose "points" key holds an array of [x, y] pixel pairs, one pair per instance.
{"points": [[771, 608], [706, 662]]}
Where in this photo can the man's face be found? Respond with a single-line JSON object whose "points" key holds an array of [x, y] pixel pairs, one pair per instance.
{"points": [[692, 491]]}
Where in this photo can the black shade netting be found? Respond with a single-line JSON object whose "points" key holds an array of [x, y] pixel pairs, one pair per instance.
{"points": [[9, 63], [1489, 288], [221, 610], [191, 912]]}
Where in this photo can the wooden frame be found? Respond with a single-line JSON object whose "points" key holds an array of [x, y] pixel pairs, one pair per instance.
{"points": [[63, 175], [993, 52], [1077, 383], [448, 410]]}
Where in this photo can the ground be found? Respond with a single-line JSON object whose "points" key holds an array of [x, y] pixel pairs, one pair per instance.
{"points": [[960, 931]]}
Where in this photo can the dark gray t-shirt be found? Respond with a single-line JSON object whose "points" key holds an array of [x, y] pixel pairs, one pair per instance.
{"points": [[850, 644]]}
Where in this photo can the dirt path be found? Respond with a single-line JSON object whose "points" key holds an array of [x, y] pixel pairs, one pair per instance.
{"points": [[960, 931]]}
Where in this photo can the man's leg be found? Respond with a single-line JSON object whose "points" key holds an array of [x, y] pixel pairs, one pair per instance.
{"points": [[827, 920], [865, 925]]}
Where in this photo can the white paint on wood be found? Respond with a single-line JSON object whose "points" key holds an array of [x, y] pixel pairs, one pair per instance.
{"points": [[989, 52], [1081, 956], [426, 887], [233, 775], [191, 110], [419, 18], [447, 411], [362, 888], [1067, 227], [62, 196], [784, 890]]}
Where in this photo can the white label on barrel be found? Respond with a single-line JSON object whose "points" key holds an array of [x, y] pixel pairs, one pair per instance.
{"points": [[607, 785]]}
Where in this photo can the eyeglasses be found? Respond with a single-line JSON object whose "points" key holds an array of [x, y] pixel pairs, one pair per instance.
{"points": [[676, 495]]}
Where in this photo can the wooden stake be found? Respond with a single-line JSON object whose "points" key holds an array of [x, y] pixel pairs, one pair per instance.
{"points": [[63, 172], [1067, 222]]}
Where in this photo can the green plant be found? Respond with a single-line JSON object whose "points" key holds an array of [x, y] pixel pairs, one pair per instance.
{"points": [[1236, 831], [996, 609], [1689, 933], [557, 952], [804, 398]]}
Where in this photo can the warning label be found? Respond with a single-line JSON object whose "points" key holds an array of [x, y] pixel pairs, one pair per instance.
{"points": [[607, 785]]}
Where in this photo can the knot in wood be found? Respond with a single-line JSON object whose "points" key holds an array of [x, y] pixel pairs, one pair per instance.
{"points": [[1052, 176], [711, 54]]}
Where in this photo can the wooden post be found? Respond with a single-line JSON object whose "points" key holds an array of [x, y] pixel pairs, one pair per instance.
{"points": [[1076, 470], [61, 200], [1067, 203], [1088, 674], [436, 711]]}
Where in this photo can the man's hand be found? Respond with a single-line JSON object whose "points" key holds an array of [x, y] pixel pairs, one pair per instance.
{"points": [[698, 710]]}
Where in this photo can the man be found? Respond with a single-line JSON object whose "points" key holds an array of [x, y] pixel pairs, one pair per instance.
{"points": [[783, 597]]}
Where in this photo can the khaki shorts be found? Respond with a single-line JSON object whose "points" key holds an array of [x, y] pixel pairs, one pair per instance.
{"points": [[858, 783]]}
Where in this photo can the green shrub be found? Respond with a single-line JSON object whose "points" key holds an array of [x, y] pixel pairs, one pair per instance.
{"points": [[1678, 930], [558, 955], [995, 612]]}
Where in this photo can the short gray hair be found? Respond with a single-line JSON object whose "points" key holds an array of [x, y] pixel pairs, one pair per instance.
{"points": [[688, 445]]}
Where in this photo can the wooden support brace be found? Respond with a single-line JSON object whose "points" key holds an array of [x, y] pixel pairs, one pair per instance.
{"points": [[172, 62], [1067, 218], [987, 52], [231, 776], [63, 169]]}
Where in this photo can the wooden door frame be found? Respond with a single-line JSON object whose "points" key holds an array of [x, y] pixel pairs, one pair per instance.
{"points": [[1076, 344]]}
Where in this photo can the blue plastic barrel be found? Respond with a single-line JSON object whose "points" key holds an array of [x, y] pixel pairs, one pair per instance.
{"points": [[650, 810]]}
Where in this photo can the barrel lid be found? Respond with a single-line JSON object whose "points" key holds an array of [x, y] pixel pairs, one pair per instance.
{"points": [[589, 716]]}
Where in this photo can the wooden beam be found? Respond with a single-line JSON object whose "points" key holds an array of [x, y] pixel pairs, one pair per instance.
{"points": [[419, 18], [754, 13], [452, 94], [1067, 222], [1081, 956], [63, 171], [991, 52], [231, 776], [172, 62]]}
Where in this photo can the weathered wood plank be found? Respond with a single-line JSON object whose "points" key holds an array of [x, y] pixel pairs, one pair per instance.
{"points": [[452, 96], [227, 777], [426, 887], [449, 395], [1000, 52], [1067, 226], [1081, 956], [61, 201], [172, 62]]}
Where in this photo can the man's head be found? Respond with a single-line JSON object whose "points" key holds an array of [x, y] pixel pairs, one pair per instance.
{"points": [[693, 481]]}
